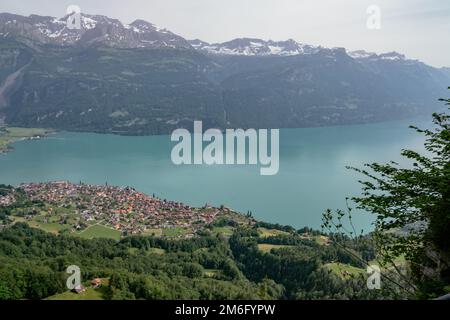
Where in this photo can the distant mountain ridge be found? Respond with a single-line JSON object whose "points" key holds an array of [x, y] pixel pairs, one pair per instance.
{"points": [[102, 30], [255, 47], [138, 78], [95, 29]]}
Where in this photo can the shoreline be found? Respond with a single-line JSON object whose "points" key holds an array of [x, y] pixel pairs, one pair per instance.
{"points": [[150, 133], [10, 135]]}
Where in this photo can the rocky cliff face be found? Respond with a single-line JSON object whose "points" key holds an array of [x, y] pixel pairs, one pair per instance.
{"points": [[94, 30]]}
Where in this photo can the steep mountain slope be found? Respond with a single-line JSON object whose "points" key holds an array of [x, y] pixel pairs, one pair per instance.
{"points": [[94, 29], [255, 47], [141, 79], [104, 89], [328, 88]]}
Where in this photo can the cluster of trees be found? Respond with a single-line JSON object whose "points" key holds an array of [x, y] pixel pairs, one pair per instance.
{"points": [[300, 267], [4, 211], [22, 205], [276, 226], [5, 189], [33, 266], [412, 209]]}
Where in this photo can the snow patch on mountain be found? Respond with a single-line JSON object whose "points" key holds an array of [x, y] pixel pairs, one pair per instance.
{"points": [[98, 29], [392, 56], [255, 47], [93, 29], [360, 54]]}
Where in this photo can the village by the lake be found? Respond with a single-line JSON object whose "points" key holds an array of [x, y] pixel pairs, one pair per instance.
{"points": [[107, 211]]}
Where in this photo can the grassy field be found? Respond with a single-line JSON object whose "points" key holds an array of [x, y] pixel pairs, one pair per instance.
{"points": [[343, 270], [174, 232], [153, 232], [264, 233], [211, 273], [99, 231], [156, 251], [266, 247], [52, 227], [10, 135], [18, 219], [226, 231], [135, 251], [89, 294], [322, 240]]}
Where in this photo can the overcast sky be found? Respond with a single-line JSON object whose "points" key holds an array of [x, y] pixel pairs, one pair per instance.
{"points": [[418, 28]]}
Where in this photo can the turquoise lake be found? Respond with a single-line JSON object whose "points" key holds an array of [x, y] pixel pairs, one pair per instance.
{"points": [[312, 175]]}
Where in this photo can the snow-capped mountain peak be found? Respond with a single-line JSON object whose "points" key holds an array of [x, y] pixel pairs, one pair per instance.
{"points": [[361, 54], [392, 56], [254, 47], [102, 30], [92, 29]]}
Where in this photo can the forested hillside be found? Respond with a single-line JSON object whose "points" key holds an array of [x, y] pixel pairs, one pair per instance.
{"points": [[33, 265]]}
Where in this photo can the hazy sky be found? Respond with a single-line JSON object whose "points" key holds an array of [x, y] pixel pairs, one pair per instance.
{"points": [[418, 28]]}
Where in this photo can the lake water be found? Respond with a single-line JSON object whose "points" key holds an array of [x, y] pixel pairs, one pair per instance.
{"points": [[312, 175]]}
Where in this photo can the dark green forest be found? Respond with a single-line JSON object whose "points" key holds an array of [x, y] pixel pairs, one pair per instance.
{"points": [[33, 266]]}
